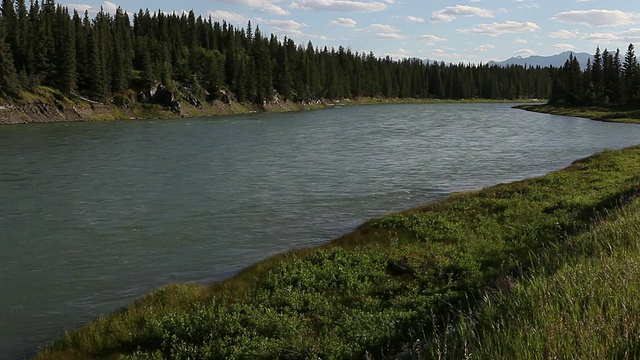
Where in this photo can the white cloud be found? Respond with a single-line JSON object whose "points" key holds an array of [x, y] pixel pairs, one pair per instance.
{"points": [[527, 4], [383, 28], [414, 19], [81, 8], [595, 17], [564, 34], [564, 47], [339, 5], [496, 29], [485, 48], [524, 52], [284, 25], [345, 22], [520, 41], [430, 39], [603, 38], [390, 36], [451, 12], [400, 54], [290, 28], [439, 53], [262, 6], [228, 16], [107, 6], [622, 37], [385, 32]]}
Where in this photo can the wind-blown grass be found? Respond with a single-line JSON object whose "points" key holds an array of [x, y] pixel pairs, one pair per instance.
{"points": [[408, 274], [586, 308]]}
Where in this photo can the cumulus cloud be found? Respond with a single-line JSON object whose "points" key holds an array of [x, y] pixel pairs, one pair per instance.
{"points": [[339, 5], [451, 12], [107, 6], [440, 53], [621, 37], [520, 41], [383, 28], [496, 29], [262, 6], [524, 52], [564, 34], [285, 25], [414, 19], [527, 4], [595, 17], [485, 48], [400, 54], [289, 28], [228, 16], [80, 8], [345, 22], [385, 32], [390, 36], [430, 39], [564, 47]]}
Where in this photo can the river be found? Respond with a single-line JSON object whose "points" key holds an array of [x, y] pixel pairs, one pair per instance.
{"points": [[95, 215]]}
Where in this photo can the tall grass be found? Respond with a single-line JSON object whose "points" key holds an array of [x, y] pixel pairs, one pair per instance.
{"points": [[586, 308], [443, 274]]}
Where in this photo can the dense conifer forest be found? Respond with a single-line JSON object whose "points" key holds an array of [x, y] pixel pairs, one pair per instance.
{"points": [[111, 56], [608, 80]]}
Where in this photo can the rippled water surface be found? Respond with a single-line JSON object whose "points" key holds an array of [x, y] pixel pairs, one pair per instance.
{"points": [[94, 215]]}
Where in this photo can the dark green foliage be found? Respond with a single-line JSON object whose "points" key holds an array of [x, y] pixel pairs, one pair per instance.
{"points": [[606, 81], [9, 83], [108, 54]]}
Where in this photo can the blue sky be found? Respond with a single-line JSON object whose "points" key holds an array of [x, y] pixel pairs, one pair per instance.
{"points": [[453, 31]]}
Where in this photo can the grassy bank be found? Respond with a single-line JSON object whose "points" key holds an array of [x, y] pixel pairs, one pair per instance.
{"points": [[601, 113], [443, 279]]}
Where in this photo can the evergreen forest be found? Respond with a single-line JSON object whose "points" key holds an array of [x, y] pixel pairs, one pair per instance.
{"points": [[608, 80], [113, 56]]}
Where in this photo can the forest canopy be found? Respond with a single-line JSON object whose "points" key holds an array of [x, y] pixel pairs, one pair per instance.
{"points": [[607, 80], [111, 55]]}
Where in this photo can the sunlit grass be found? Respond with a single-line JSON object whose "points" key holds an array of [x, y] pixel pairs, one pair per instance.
{"points": [[581, 305]]}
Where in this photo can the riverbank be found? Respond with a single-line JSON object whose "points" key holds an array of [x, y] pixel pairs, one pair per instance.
{"points": [[618, 114], [404, 280], [47, 105]]}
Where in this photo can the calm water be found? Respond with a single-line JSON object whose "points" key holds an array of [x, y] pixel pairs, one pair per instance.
{"points": [[94, 215]]}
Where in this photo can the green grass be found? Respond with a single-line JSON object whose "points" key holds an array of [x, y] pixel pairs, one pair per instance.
{"points": [[405, 277], [601, 113], [582, 305]]}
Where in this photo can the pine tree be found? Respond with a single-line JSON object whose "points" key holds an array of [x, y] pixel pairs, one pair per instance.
{"points": [[9, 83], [630, 74]]}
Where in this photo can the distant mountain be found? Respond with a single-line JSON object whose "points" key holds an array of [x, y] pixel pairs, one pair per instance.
{"points": [[553, 60]]}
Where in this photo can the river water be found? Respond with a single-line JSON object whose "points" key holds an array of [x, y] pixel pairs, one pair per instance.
{"points": [[95, 215]]}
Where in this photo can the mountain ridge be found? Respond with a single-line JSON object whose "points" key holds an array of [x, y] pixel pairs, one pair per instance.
{"points": [[557, 60]]}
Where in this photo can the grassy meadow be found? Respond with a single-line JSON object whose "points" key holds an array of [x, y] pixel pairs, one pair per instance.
{"points": [[540, 268]]}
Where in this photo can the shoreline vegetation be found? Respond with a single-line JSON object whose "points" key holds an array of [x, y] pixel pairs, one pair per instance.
{"points": [[540, 266], [46, 105], [619, 114]]}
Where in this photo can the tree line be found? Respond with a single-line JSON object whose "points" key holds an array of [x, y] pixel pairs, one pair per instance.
{"points": [[607, 80], [107, 55]]}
